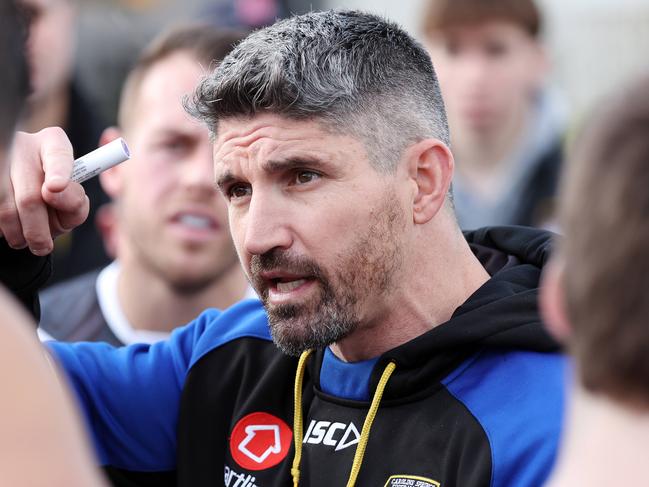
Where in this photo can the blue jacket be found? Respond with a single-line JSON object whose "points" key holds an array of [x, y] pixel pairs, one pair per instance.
{"points": [[476, 401]]}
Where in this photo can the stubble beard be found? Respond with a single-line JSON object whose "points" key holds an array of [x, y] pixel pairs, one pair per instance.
{"points": [[366, 271]]}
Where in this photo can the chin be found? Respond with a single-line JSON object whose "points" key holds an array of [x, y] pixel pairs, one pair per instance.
{"points": [[195, 274], [294, 329], [190, 283]]}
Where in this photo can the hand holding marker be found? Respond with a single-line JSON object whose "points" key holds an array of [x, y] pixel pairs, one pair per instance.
{"points": [[99, 160]]}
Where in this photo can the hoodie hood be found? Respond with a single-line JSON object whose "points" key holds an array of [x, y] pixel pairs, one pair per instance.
{"points": [[501, 314], [504, 311]]}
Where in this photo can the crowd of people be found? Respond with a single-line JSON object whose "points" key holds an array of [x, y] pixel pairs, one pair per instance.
{"points": [[314, 276]]}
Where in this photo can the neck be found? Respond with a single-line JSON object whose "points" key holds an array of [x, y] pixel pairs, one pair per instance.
{"points": [[149, 302], [437, 279], [47, 111], [605, 443], [484, 155]]}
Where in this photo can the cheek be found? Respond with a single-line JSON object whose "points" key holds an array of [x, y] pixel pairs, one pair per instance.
{"points": [[147, 190], [53, 44], [329, 233], [446, 75], [157, 177], [237, 231], [516, 91], [221, 209], [514, 71]]}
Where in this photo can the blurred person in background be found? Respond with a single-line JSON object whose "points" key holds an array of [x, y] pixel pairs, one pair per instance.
{"points": [[168, 225], [56, 100], [594, 296], [42, 441], [507, 128]]}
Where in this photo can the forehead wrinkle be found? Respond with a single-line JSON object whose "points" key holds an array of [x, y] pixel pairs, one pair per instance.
{"points": [[246, 134], [238, 145], [256, 142], [271, 142], [276, 128], [229, 154], [226, 161]]}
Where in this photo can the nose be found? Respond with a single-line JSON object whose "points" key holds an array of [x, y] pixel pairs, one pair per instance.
{"points": [[475, 72], [267, 224], [197, 174]]}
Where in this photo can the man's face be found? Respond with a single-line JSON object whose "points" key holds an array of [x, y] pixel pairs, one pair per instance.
{"points": [[170, 216], [319, 232], [488, 73], [50, 46]]}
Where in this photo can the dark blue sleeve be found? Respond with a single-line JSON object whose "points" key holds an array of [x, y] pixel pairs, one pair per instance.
{"points": [[131, 395], [518, 399]]}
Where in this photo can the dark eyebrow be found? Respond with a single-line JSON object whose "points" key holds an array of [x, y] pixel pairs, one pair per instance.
{"points": [[296, 163], [163, 132], [223, 180], [278, 166]]}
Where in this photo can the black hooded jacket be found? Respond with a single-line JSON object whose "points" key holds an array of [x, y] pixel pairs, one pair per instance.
{"points": [[24, 274], [474, 402]]}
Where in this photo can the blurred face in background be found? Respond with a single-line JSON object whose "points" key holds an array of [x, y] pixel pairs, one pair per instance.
{"points": [[169, 215], [50, 45], [488, 73]]}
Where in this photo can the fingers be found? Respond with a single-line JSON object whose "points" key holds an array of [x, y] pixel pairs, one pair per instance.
{"points": [[27, 180], [57, 158], [63, 221], [9, 221], [41, 164], [69, 200]]}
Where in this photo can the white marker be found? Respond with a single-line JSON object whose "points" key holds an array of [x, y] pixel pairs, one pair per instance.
{"points": [[99, 160]]}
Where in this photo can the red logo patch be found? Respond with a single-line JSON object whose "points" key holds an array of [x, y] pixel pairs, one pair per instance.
{"points": [[260, 441]]}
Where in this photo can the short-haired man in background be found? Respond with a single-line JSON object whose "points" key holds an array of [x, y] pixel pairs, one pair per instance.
{"points": [[506, 128], [175, 256], [422, 355], [41, 441], [595, 296]]}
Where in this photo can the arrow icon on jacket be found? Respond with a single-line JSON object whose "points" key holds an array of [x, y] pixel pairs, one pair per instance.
{"points": [[260, 441]]}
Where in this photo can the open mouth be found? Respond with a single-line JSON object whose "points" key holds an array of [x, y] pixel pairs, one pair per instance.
{"points": [[281, 285], [288, 286], [195, 221]]}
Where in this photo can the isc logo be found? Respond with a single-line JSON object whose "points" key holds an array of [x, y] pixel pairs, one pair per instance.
{"points": [[338, 435]]}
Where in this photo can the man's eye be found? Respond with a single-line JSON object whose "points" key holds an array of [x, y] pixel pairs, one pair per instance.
{"points": [[496, 49], [303, 177], [238, 191], [175, 146], [452, 48]]}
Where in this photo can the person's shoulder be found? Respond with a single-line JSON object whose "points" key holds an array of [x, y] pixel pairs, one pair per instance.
{"points": [[245, 319], [66, 303], [518, 399], [80, 285], [509, 373]]}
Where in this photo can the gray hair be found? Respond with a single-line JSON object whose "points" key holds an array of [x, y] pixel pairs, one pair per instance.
{"points": [[353, 72]]}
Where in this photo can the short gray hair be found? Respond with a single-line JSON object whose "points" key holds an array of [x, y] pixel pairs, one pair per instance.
{"points": [[353, 72]]}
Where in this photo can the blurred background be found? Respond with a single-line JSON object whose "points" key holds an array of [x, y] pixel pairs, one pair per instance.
{"points": [[593, 44]]}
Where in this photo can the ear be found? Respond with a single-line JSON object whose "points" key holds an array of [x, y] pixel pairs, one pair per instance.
{"points": [[552, 301], [430, 168], [111, 179]]}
